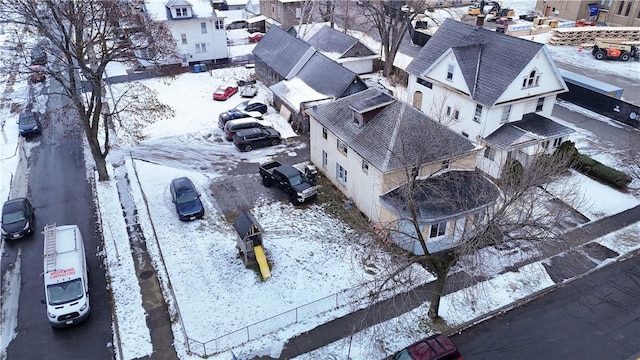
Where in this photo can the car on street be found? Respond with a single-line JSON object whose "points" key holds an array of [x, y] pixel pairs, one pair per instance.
{"points": [[249, 139], [250, 105], [435, 347], [38, 56], [28, 123], [186, 198], [17, 218], [234, 114], [255, 37], [223, 92]]}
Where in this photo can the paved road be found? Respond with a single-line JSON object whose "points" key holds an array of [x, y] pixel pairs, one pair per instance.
{"points": [[595, 317], [61, 194]]}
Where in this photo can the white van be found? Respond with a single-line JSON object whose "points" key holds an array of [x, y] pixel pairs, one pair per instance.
{"points": [[66, 286], [233, 126]]}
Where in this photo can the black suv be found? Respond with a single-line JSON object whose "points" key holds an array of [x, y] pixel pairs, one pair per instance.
{"points": [[247, 140]]}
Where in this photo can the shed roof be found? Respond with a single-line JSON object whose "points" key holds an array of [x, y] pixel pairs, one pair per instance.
{"points": [[330, 41], [533, 125], [280, 51]]}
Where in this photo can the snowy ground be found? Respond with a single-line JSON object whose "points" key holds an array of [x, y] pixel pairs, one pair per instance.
{"points": [[314, 260]]}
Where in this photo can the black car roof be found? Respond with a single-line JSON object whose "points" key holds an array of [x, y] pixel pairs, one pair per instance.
{"points": [[182, 183], [14, 204]]}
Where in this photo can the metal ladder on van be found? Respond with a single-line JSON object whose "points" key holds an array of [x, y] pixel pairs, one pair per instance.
{"points": [[50, 246]]}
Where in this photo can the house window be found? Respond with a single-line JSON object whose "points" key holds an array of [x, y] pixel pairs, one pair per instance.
{"points": [[425, 83], [203, 28], [184, 39], [626, 13], [532, 80], [506, 111], [365, 166], [219, 24], [465, 134], [342, 147], [557, 142], [540, 104], [490, 153], [181, 12], [448, 110], [324, 159], [544, 145], [620, 7], [478, 113], [324, 133], [438, 229], [201, 48], [450, 72], [341, 174], [456, 114]]}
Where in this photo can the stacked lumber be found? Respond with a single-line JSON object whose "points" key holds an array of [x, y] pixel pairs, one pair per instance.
{"points": [[580, 35]]}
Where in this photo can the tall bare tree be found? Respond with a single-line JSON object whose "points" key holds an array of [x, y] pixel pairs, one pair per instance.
{"points": [[81, 38], [524, 213]]}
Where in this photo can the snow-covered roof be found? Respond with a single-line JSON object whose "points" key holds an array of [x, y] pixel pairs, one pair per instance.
{"points": [[295, 92], [157, 9]]}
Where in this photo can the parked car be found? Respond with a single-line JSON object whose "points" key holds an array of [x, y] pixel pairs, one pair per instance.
{"points": [[36, 73], [247, 140], [38, 56], [255, 37], [233, 126], [28, 124], [186, 198], [289, 179], [251, 105], [237, 24], [234, 114], [223, 92], [435, 347], [249, 91], [17, 218]]}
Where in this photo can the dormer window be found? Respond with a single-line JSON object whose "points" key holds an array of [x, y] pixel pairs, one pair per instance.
{"points": [[532, 80], [181, 12]]}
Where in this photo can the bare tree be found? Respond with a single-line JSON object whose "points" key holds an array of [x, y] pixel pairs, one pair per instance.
{"points": [[82, 37], [521, 212]]}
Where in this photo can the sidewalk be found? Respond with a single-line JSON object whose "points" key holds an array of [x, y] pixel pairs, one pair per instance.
{"points": [[566, 265]]}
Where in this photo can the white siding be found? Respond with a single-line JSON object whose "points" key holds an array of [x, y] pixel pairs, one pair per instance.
{"points": [[361, 187], [363, 66], [215, 40]]}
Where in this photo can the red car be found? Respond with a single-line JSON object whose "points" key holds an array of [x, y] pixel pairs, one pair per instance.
{"points": [[435, 347], [224, 92], [255, 37]]}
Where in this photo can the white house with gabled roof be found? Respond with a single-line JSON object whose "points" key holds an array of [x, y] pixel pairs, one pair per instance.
{"points": [[494, 89], [195, 25]]}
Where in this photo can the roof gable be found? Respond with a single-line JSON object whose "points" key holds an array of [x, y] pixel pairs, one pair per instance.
{"points": [[331, 41], [280, 51], [396, 136], [488, 60], [326, 76]]}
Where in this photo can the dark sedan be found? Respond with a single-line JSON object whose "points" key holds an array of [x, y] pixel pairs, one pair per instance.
{"points": [[17, 218], [247, 140], [28, 124], [251, 105], [186, 198]]}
